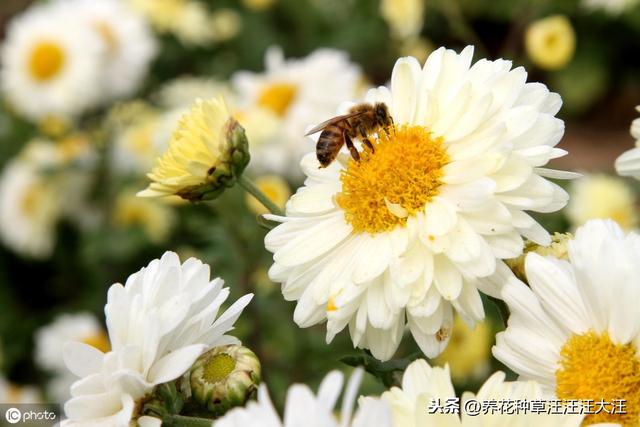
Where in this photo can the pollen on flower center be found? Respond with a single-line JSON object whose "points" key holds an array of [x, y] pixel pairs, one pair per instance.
{"points": [[394, 181], [218, 367], [592, 367], [46, 60], [277, 97]]}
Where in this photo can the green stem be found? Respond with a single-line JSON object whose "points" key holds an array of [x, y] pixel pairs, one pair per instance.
{"points": [[182, 421], [252, 189]]}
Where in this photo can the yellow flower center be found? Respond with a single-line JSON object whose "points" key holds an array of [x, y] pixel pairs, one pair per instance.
{"points": [[46, 60], [278, 97], [394, 181], [99, 340], [218, 368], [29, 203], [592, 367]]}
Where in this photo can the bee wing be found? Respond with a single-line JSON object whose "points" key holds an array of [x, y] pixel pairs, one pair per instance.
{"points": [[333, 120]]}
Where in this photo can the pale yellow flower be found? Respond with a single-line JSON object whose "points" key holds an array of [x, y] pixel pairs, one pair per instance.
{"points": [[469, 350], [207, 152], [275, 188], [551, 42], [559, 248], [405, 17], [602, 196], [154, 218], [188, 20], [225, 24]]}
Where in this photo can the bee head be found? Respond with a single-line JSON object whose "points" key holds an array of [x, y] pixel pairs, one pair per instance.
{"points": [[382, 114]]}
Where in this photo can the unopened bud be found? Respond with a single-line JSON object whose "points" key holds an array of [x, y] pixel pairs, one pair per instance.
{"points": [[558, 249], [224, 377]]}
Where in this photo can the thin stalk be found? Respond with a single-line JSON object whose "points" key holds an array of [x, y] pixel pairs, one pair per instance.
{"points": [[252, 189]]}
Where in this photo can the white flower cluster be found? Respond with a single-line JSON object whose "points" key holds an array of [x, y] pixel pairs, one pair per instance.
{"points": [[66, 56]]}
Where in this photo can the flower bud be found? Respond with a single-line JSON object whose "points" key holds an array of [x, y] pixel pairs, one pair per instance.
{"points": [[207, 154], [558, 249], [224, 377]]}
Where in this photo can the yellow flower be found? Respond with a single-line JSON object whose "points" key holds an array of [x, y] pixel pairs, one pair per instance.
{"points": [[273, 187], [54, 126], [207, 152], [225, 24], [258, 4], [468, 351], [602, 196], [186, 19], [154, 218], [550, 42], [405, 17], [559, 248]]}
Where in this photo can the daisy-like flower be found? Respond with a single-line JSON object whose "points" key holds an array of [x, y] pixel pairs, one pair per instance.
{"points": [[417, 227], [304, 409], [12, 393], [50, 64], [129, 45], [154, 218], [188, 20], [159, 323], [602, 196], [30, 207], [628, 164], [551, 42], [576, 329], [50, 340], [207, 152], [423, 387], [293, 93]]}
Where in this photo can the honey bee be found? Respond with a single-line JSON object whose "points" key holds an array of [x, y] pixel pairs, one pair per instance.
{"points": [[361, 120]]}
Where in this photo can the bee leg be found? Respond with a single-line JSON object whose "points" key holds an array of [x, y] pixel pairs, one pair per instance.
{"points": [[351, 147], [365, 140], [369, 145]]}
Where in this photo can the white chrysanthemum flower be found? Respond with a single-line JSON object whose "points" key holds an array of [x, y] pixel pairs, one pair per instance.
{"points": [[12, 393], [602, 196], [576, 329], [29, 209], [128, 41], [612, 7], [628, 164], [304, 409], [50, 340], [159, 323], [418, 227], [295, 93], [424, 386], [51, 65]]}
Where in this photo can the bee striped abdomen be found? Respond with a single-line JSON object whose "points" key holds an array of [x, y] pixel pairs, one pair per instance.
{"points": [[329, 144]]}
